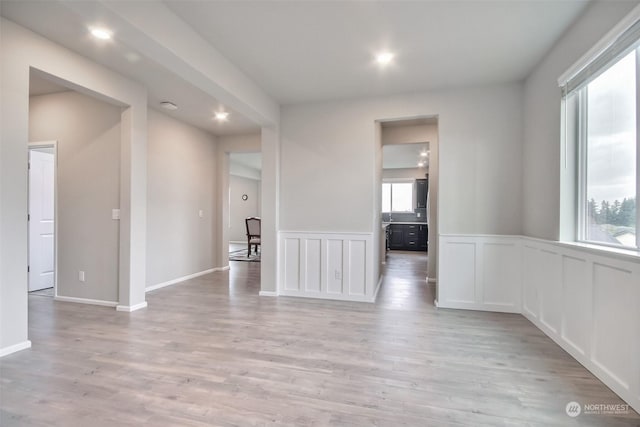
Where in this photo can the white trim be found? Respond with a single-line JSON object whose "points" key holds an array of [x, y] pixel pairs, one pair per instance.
{"points": [[268, 293], [364, 233], [243, 242], [130, 308], [431, 280], [600, 46], [86, 301], [14, 348], [183, 278], [608, 251]]}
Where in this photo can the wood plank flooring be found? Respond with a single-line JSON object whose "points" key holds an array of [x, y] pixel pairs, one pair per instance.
{"points": [[211, 352]]}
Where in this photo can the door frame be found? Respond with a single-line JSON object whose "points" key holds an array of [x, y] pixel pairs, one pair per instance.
{"points": [[54, 145]]}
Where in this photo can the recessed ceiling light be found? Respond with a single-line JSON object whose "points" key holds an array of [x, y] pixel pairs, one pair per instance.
{"points": [[167, 105], [222, 116], [384, 58], [101, 33]]}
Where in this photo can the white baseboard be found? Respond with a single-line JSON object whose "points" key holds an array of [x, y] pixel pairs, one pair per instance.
{"points": [[183, 278], [268, 294], [14, 348], [244, 242], [86, 301], [130, 308]]}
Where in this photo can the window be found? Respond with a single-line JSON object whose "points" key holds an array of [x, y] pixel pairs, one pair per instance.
{"points": [[397, 197], [602, 100]]}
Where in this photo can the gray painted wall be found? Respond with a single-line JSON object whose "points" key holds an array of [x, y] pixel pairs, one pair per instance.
{"points": [[541, 151], [88, 135], [181, 182], [328, 160]]}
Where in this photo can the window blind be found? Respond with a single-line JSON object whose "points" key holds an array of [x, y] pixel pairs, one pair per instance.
{"points": [[623, 44]]}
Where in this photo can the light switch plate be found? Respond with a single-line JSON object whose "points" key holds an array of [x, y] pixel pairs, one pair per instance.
{"points": [[115, 213]]}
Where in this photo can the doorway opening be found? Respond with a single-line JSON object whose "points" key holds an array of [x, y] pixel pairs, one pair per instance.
{"points": [[74, 193], [408, 207], [245, 201], [42, 219]]}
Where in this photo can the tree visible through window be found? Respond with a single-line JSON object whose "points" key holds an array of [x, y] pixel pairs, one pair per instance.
{"points": [[607, 115], [397, 197]]}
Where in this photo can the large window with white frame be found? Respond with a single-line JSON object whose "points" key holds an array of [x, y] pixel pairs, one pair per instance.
{"points": [[602, 102]]}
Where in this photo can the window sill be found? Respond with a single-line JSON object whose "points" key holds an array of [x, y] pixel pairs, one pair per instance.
{"points": [[628, 254]]}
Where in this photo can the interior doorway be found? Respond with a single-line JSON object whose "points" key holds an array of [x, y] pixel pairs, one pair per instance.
{"points": [[245, 201], [408, 205], [42, 218]]}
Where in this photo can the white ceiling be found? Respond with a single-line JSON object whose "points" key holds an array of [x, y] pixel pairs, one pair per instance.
{"points": [[315, 50], [62, 25], [402, 156], [249, 160]]}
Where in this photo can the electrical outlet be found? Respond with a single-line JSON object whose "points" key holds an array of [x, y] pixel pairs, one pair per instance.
{"points": [[338, 275], [115, 213], [81, 276], [200, 213]]}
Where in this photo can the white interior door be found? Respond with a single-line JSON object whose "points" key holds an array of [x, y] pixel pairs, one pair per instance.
{"points": [[41, 219]]}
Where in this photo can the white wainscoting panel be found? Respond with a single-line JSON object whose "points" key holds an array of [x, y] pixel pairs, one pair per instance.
{"points": [[588, 303], [531, 276], [327, 265], [480, 272], [550, 289], [577, 295]]}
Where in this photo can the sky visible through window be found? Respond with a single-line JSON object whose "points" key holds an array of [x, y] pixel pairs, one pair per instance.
{"points": [[397, 197], [612, 133], [611, 154]]}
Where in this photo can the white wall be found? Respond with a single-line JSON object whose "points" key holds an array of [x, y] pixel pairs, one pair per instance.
{"points": [[88, 178], [327, 160], [410, 134], [330, 161], [404, 173], [541, 165], [240, 209], [20, 50], [182, 181], [244, 171]]}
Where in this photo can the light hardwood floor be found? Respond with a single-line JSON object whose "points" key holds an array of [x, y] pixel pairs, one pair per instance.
{"points": [[211, 352]]}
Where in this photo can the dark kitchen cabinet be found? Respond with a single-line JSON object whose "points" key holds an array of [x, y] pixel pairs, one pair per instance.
{"points": [[422, 188], [408, 237], [396, 236]]}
